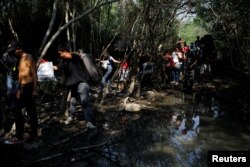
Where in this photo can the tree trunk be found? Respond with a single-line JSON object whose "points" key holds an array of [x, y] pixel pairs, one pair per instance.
{"points": [[12, 30], [52, 21], [60, 29]]}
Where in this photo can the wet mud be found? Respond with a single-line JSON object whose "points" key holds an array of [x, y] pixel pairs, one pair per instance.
{"points": [[173, 128]]}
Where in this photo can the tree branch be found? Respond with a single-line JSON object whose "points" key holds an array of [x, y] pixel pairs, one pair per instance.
{"points": [[60, 29]]}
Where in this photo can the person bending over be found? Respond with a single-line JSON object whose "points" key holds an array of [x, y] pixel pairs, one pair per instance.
{"points": [[76, 80]]}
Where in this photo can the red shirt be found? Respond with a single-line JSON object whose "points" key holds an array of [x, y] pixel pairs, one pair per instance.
{"points": [[186, 49], [125, 65]]}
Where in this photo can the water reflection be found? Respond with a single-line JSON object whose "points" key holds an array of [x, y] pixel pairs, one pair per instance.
{"points": [[196, 124], [215, 108]]}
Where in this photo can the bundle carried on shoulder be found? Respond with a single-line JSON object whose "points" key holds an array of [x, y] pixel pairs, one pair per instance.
{"points": [[90, 67]]}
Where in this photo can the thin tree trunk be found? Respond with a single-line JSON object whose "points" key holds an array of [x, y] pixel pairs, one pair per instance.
{"points": [[73, 29], [52, 21], [60, 29], [12, 30], [66, 21]]}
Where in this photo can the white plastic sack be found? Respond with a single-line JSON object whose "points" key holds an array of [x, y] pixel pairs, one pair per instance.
{"points": [[45, 72]]}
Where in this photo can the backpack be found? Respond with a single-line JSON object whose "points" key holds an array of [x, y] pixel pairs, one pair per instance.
{"points": [[90, 67]]}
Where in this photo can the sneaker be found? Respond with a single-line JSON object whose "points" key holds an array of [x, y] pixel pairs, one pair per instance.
{"points": [[89, 125], [172, 82], [2, 131], [13, 141], [69, 119]]}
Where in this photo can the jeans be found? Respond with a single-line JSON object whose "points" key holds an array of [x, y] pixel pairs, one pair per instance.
{"points": [[105, 78], [175, 74], [12, 88], [81, 90], [25, 101]]}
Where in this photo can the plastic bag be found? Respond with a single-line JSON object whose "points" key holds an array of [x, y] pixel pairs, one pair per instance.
{"points": [[45, 72]]}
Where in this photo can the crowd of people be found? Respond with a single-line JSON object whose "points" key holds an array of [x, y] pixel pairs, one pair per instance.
{"points": [[188, 63], [180, 63], [21, 84], [183, 63]]}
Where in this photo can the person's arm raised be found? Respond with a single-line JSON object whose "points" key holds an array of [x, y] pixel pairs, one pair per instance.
{"points": [[114, 60]]}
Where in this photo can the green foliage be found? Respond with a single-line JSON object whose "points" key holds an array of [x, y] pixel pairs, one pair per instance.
{"points": [[189, 30], [229, 23]]}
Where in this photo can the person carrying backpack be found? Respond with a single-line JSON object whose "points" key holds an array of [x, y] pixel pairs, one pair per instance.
{"points": [[76, 80]]}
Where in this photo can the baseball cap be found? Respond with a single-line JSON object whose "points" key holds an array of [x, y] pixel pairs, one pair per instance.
{"points": [[13, 45]]}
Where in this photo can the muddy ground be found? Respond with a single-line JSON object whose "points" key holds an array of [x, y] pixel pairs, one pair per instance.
{"points": [[108, 144]]}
